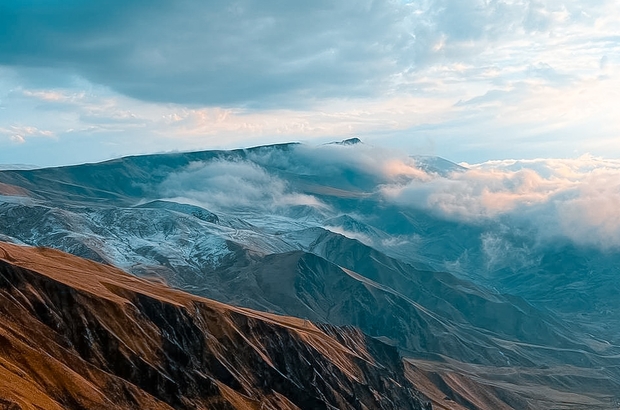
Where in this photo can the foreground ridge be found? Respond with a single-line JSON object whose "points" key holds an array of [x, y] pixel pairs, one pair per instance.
{"points": [[78, 334]]}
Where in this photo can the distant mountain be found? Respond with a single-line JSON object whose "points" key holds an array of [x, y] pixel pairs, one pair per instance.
{"points": [[307, 232], [437, 165], [5, 167], [349, 141]]}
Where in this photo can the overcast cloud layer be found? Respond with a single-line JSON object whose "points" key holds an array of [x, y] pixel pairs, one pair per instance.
{"points": [[470, 80]]}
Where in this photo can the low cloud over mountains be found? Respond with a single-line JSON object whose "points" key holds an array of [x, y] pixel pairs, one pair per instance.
{"points": [[578, 199]]}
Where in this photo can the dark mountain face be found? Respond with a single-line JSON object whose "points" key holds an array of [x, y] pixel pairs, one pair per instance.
{"points": [[311, 234], [81, 335]]}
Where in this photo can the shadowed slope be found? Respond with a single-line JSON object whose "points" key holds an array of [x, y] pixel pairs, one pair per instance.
{"points": [[77, 334]]}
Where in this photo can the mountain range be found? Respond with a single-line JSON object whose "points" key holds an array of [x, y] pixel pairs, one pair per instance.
{"points": [[309, 235]]}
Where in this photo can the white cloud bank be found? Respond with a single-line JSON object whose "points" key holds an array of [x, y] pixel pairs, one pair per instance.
{"points": [[222, 185], [576, 198]]}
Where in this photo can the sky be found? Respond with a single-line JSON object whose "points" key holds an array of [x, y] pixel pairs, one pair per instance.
{"points": [[467, 80]]}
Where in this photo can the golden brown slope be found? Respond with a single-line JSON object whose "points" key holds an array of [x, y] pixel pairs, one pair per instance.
{"points": [[77, 334]]}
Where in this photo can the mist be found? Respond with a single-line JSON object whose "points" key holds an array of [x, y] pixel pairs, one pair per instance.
{"points": [[568, 199]]}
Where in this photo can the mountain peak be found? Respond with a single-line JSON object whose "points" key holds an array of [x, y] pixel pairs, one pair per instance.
{"points": [[349, 141]]}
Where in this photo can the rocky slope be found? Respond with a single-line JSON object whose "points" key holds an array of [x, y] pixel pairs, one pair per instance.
{"points": [[76, 334], [280, 229], [312, 273]]}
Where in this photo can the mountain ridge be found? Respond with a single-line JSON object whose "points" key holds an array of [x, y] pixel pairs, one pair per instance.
{"points": [[115, 322], [265, 228]]}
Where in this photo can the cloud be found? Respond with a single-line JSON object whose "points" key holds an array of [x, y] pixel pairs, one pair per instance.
{"points": [[545, 199], [258, 179], [19, 133], [500, 252], [578, 199], [216, 52], [266, 54], [222, 185], [460, 79], [382, 164]]}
